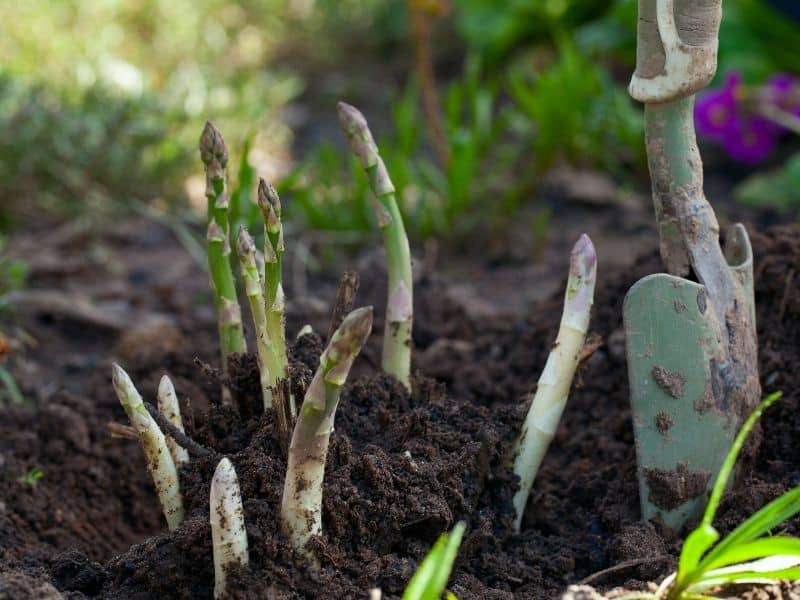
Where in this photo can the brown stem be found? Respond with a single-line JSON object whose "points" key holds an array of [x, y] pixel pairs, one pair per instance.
{"points": [[421, 15], [345, 300]]}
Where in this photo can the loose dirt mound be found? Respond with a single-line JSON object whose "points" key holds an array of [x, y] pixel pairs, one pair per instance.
{"points": [[402, 468]]}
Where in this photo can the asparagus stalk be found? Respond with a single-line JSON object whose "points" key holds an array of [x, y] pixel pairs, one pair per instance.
{"points": [[159, 460], [270, 205], [169, 407], [301, 507], [246, 250], [556, 378], [228, 533], [214, 155], [399, 306]]}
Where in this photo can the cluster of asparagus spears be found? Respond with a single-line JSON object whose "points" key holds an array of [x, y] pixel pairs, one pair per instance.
{"points": [[311, 421]]}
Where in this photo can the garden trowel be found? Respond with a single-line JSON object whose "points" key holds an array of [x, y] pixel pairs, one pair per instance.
{"points": [[673, 351], [690, 332]]}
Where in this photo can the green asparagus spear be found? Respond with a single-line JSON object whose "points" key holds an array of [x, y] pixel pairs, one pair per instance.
{"points": [[301, 508], [400, 305], [214, 155]]}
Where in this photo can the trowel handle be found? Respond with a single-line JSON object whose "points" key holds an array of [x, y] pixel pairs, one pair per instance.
{"points": [[676, 48]]}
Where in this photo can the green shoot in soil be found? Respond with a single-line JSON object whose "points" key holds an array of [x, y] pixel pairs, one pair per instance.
{"points": [[431, 576], [399, 304], [214, 155], [154, 444], [32, 477], [301, 507], [552, 391]]}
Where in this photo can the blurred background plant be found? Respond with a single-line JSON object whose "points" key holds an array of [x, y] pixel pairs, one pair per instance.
{"points": [[472, 103]]}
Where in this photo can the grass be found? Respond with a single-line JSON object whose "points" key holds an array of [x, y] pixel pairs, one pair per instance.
{"points": [[430, 578]]}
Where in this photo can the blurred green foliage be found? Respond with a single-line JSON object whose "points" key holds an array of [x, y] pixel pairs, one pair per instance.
{"points": [[495, 31], [70, 154], [779, 189], [329, 190], [103, 101], [78, 116], [12, 274], [578, 115]]}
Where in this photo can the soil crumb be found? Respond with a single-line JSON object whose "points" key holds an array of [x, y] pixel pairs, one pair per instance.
{"points": [[664, 423], [671, 382], [671, 488]]}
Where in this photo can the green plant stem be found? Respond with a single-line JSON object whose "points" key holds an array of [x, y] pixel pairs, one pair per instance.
{"points": [[214, 155], [396, 358], [274, 300], [301, 507], [253, 288]]}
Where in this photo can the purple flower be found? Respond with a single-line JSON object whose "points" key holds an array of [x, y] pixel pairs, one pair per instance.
{"points": [[742, 120], [783, 91], [750, 139], [715, 112]]}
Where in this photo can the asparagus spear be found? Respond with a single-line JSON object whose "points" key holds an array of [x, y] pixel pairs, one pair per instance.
{"points": [[169, 407], [228, 533], [301, 507], [554, 383], [270, 205], [399, 305], [253, 288], [159, 460], [214, 155]]}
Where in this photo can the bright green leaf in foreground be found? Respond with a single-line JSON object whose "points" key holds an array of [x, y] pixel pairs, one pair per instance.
{"points": [[431, 577]]}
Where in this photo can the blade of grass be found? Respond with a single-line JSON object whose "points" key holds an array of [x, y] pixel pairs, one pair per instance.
{"points": [[761, 548], [766, 519], [431, 577]]}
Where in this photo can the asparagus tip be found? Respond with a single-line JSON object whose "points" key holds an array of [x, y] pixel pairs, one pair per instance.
{"points": [[212, 146], [358, 134], [350, 117], [583, 260], [244, 242], [224, 477], [268, 197], [165, 386], [347, 342], [119, 377]]}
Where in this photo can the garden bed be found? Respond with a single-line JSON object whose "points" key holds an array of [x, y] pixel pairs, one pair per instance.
{"points": [[402, 468]]}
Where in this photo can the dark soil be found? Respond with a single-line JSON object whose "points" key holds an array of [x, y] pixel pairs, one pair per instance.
{"points": [[402, 467]]}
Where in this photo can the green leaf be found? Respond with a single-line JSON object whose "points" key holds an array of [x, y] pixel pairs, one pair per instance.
{"points": [[730, 460], [431, 576], [32, 477], [690, 571], [722, 577], [766, 519], [761, 548], [694, 547]]}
